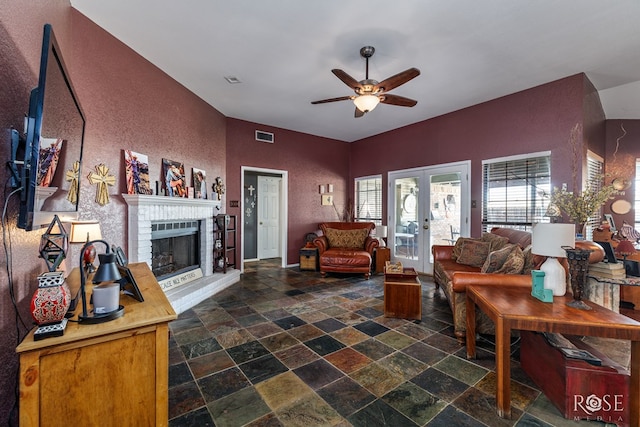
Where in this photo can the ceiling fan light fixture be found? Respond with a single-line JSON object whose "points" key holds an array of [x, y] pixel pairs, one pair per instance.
{"points": [[366, 103]]}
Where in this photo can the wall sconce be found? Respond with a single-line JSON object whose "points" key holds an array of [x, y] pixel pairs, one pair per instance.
{"points": [[548, 240], [82, 232], [329, 188], [106, 289], [322, 189]]}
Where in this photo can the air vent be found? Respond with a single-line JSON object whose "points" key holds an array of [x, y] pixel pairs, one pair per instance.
{"points": [[264, 136]]}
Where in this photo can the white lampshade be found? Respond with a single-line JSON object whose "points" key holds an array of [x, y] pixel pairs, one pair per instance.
{"points": [[84, 231], [548, 240], [381, 231], [366, 103]]}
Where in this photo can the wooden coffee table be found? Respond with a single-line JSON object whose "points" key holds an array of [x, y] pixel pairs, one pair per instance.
{"points": [[515, 308]]}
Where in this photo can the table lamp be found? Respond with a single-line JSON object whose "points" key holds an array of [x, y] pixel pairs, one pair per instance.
{"points": [[83, 232], [106, 291], [625, 248], [381, 233], [548, 240]]}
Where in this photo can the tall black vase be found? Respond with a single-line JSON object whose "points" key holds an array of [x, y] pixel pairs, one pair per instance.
{"points": [[578, 260]]}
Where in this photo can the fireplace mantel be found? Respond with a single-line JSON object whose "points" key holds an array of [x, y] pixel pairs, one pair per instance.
{"points": [[143, 210], [145, 200]]}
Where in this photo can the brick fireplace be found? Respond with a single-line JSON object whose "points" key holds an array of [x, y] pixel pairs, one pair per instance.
{"points": [[144, 210]]}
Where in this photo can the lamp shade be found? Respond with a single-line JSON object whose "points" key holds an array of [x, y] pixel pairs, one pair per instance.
{"points": [[83, 231], [381, 231], [549, 239], [108, 270], [366, 103], [625, 248]]}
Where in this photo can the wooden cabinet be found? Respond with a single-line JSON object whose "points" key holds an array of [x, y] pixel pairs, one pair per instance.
{"points": [[403, 295], [113, 373], [382, 256], [224, 242]]}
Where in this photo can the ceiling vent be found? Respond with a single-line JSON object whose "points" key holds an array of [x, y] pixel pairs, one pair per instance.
{"points": [[264, 136]]}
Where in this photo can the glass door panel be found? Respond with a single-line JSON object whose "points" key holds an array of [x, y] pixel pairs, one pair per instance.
{"points": [[437, 215]]}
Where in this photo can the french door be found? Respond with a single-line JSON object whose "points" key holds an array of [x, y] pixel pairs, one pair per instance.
{"points": [[427, 206]]}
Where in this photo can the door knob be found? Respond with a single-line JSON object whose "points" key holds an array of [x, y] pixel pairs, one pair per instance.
{"points": [[426, 226]]}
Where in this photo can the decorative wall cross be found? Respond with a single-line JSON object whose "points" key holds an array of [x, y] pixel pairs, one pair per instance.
{"points": [[102, 179], [251, 190], [72, 176]]}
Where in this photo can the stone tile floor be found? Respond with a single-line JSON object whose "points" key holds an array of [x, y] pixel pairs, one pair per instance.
{"points": [[284, 347]]}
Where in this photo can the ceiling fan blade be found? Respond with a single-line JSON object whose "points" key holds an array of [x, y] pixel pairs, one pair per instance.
{"points": [[398, 100], [399, 79], [358, 113], [346, 79], [324, 101]]}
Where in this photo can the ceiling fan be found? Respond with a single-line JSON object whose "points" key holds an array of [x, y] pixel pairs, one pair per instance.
{"points": [[369, 92]]}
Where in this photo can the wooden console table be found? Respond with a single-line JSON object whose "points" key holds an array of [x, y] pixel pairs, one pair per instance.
{"points": [[114, 373], [515, 308]]}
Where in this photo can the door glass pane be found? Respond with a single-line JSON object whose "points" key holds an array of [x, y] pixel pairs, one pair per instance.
{"points": [[406, 218], [445, 208]]}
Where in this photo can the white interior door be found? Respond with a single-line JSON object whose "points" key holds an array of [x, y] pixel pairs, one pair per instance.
{"points": [[427, 206], [268, 217]]}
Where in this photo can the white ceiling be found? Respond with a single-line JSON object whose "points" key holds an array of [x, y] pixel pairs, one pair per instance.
{"points": [[468, 51]]}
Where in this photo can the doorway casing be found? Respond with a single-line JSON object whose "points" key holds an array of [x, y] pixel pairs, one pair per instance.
{"points": [[284, 199]]}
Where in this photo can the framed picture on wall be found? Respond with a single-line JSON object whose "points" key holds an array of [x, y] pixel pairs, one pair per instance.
{"points": [[327, 199], [137, 172], [199, 183], [174, 180]]}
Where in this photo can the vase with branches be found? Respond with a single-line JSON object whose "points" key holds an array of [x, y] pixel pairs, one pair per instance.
{"points": [[580, 206]]}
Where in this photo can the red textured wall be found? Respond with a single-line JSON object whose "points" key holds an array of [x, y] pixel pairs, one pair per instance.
{"points": [[537, 119], [310, 162], [128, 104], [623, 148]]}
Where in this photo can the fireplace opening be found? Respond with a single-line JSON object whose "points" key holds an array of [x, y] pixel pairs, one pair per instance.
{"points": [[175, 247]]}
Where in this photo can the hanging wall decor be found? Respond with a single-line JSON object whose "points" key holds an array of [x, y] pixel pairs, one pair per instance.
{"points": [[101, 178], [218, 187], [72, 176]]}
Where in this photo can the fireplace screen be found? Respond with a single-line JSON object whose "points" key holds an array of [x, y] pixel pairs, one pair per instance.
{"points": [[175, 247]]}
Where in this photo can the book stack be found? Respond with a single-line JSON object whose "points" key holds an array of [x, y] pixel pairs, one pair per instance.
{"points": [[608, 270]]}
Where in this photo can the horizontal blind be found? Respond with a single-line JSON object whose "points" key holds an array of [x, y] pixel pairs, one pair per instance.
{"points": [[369, 199], [595, 174], [515, 192], [636, 187]]}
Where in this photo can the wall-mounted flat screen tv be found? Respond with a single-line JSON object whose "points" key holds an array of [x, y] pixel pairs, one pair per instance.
{"points": [[50, 172]]}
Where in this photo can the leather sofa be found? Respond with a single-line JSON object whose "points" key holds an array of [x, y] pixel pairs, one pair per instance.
{"points": [[453, 277], [345, 247]]}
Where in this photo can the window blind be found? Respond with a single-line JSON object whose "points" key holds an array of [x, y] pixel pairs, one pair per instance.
{"points": [[368, 198], [515, 192], [595, 174]]}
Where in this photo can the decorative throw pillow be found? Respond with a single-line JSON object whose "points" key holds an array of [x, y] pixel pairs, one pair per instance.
{"points": [[346, 238], [496, 259], [458, 247], [497, 242], [514, 262], [529, 264], [473, 253]]}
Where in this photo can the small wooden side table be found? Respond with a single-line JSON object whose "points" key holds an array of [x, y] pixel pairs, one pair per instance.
{"points": [[382, 256], [403, 295], [309, 259]]}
